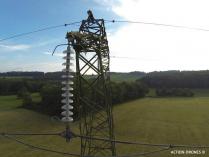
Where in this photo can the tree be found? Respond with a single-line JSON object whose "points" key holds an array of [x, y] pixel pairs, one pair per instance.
{"points": [[51, 99], [21, 92], [27, 99]]}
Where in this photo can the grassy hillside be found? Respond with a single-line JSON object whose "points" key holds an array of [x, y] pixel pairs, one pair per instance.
{"points": [[153, 120], [131, 76], [15, 119], [164, 120]]}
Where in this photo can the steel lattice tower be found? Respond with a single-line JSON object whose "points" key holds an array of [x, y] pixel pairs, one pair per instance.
{"points": [[92, 94]]}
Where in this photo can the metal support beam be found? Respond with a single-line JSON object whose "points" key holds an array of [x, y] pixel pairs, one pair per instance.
{"points": [[92, 73]]}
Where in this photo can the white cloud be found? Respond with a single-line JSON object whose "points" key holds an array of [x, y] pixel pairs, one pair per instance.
{"points": [[44, 43], [158, 47], [108, 3], [57, 54], [44, 66], [24, 47], [16, 47]]}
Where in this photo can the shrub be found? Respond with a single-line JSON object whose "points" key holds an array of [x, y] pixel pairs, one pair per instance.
{"points": [[184, 92], [27, 99], [21, 92]]}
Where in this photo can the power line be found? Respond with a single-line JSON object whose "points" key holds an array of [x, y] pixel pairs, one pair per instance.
{"points": [[31, 134], [111, 140], [144, 144], [157, 24], [122, 57], [128, 58], [138, 154], [123, 142], [72, 154], [146, 153], [38, 30], [39, 148], [112, 21], [165, 146]]}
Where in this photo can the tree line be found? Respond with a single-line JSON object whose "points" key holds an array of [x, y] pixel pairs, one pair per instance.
{"points": [[50, 92], [57, 75], [12, 86], [169, 83], [177, 79], [120, 92], [174, 92], [168, 79]]}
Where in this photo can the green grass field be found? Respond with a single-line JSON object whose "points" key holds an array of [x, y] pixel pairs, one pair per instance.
{"points": [[152, 120], [127, 77]]}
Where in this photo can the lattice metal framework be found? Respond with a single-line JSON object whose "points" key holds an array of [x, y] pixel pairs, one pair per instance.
{"points": [[93, 86]]}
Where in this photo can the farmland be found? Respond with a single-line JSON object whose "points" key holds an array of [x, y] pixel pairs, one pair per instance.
{"points": [[152, 120]]}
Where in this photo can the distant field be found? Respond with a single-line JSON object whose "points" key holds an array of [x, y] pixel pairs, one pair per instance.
{"points": [[127, 77], [201, 92], [124, 77], [197, 92], [15, 77], [152, 120]]}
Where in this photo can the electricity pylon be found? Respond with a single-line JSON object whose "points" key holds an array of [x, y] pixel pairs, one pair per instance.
{"points": [[92, 84]]}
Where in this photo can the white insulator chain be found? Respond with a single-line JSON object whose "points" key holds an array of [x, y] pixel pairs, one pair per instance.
{"points": [[67, 85]]}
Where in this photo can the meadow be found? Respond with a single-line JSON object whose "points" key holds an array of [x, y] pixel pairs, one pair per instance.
{"points": [[149, 120]]}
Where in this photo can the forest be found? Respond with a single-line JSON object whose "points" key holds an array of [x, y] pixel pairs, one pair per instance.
{"points": [[50, 92], [166, 84], [177, 79]]}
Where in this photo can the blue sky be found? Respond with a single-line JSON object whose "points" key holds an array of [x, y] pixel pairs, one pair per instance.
{"points": [[137, 47], [30, 52]]}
